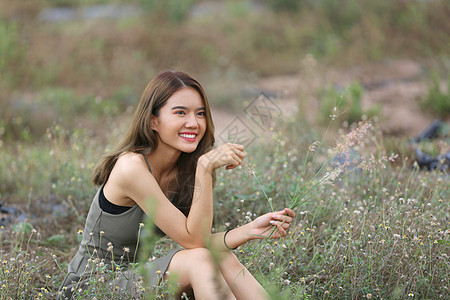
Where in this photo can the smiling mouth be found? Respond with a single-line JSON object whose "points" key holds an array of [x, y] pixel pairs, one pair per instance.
{"points": [[188, 136]]}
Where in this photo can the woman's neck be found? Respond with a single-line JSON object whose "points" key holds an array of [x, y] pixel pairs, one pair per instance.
{"points": [[163, 162]]}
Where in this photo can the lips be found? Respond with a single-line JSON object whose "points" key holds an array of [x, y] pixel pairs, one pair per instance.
{"points": [[188, 136]]}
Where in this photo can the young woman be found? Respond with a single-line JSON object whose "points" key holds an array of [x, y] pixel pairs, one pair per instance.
{"points": [[167, 156]]}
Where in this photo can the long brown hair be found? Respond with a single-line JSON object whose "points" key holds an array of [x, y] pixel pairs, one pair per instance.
{"points": [[142, 139]]}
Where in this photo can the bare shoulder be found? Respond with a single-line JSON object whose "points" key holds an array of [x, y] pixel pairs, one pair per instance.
{"points": [[129, 180], [130, 164]]}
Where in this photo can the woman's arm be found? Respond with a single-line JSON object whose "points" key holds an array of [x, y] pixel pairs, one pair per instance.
{"points": [[133, 180], [200, 218], [259, 228]]}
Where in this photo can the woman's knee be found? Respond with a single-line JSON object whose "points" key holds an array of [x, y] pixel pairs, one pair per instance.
{"points": [[199, 258]]}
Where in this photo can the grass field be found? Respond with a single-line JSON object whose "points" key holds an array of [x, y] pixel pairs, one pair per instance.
{"points": [[379, 229]]}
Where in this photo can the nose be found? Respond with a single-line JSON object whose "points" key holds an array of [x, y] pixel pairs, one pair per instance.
{"points": [[191, 121]]}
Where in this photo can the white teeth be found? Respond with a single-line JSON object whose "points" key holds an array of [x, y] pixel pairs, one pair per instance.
{"points": [[188, 136]]}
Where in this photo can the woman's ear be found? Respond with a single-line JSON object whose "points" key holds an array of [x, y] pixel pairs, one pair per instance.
{"points": [[154, 122]]}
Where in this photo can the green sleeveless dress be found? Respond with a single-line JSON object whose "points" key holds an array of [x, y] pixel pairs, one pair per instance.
{"points": [[106, 238]]}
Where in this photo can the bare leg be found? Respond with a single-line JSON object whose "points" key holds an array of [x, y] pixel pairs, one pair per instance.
{"points": [[196, 269], [241, 282]]}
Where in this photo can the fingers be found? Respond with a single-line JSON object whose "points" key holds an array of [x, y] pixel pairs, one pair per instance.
{"points": [[281, 227], [285, 215], [284, 225], [290, 212], [236, 146], [287, 211], [234, 154], [282, 219]]}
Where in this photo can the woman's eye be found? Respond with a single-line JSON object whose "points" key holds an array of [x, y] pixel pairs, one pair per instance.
{"points": [[201, 113], [180, 112]]}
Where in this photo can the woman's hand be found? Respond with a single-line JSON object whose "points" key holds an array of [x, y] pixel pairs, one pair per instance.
{"points": [[230, 155], [262, 226]]}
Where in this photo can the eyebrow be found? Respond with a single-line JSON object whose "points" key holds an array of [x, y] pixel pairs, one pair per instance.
{"points": [[185, 108]]}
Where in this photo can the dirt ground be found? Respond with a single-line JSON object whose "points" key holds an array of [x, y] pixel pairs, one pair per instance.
{"points": [[397, 85]]}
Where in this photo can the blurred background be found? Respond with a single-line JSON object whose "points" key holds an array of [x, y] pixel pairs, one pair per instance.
{"points": [[84, 63]]}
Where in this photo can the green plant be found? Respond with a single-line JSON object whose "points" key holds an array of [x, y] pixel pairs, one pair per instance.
{"points": [[12, 54], [437, 100], [175, 11], [345, 106]]}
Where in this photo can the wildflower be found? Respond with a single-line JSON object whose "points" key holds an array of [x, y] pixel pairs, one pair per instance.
{"points": [[353, 138], [48, 276], [313, 146], [369, 296], [126, 249], [411, 294], [249, 169], [141, 225], [80, 231], [158, 272], [110, 247], [102, 232]]}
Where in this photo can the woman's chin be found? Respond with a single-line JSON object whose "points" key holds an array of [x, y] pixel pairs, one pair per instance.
{"points": [[190, 149]]}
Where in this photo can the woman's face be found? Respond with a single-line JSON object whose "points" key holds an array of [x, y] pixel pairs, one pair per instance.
{"points": [[181, 123]]}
